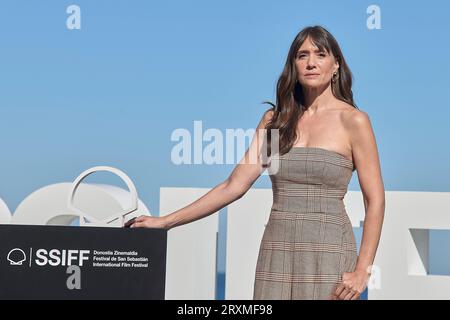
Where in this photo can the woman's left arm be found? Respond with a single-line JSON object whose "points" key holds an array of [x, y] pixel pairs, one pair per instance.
{"points": [[367, 163]]}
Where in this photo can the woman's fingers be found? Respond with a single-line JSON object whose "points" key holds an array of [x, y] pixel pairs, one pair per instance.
{"points": [[137, 225], [344, 294], [349, 295], [339, 290], [147, 222], [356, 296], [131, 222]]}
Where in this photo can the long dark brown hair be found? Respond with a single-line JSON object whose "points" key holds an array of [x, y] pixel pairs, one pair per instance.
{"points": [[289, 105]]}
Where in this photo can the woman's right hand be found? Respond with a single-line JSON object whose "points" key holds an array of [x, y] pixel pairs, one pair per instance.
{"points": [[147, 222]]}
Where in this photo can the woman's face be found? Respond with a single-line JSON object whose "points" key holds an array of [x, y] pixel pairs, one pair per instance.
{"points": [[314, 68]]}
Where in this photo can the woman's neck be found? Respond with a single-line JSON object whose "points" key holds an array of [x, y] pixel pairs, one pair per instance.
{"points": [[318, 98]]}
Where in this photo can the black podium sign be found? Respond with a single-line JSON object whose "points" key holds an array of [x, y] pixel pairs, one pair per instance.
{"points": [[59, 262]]}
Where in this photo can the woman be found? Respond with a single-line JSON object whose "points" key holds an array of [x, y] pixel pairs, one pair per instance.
{"points": [[308, 250]]}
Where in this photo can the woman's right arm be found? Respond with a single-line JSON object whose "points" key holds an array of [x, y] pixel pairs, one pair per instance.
{"points": [[234, 187]]}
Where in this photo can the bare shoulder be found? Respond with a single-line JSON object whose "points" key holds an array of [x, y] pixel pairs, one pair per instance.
{"points": [[354, 119], [359, 130], [267, 116]]}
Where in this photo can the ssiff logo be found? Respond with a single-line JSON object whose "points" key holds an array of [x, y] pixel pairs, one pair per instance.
{"points": [[16, 257]]}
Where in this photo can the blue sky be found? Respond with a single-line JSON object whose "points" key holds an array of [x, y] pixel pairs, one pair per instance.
{"points": [[113, 92]]}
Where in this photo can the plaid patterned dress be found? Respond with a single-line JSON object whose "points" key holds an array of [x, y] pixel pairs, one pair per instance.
{"points": [[308, 241]]}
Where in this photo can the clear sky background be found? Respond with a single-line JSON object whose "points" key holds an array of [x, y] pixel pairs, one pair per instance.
{"points": [[113, 92]]}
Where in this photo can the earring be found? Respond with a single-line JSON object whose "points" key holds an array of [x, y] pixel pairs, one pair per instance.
{"points": [[334, 77]]}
